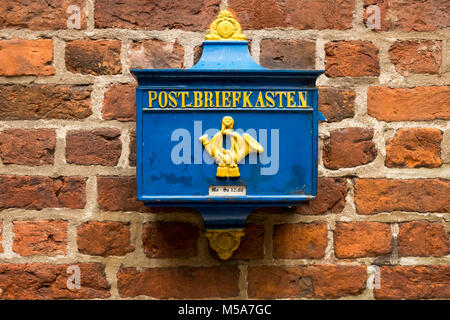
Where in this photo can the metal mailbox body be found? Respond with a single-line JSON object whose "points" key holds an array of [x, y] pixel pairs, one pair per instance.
{"points": [[270, 116]]}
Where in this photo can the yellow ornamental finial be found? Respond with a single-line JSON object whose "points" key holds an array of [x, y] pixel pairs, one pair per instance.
{"points": [[225, 27]]}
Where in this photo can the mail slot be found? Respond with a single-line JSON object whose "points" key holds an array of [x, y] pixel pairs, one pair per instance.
{"points": [[226, 136]]}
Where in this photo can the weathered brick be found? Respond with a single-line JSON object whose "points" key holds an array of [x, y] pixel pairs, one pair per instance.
{"points": [[44, 238], [288, 54], [351, 59], [1, 232], [34, 281], [414, 148], [411, 15], [336, 104], [104, 238], [362, 239], [315, 281], [170, 240], [252, 243], [402, 104], [349, 147], [118, 194], [422, 238], [414, 282], [95, 147], [120, 102], [96, 57], [31, 102], [156, 15], [37, 192], [133, 149], [35, 59], [300, 240], [27, 147], [179, 283], [300, 15], [39, 15], [156, 54], [330, 198], [416, 195], [416, 56]]}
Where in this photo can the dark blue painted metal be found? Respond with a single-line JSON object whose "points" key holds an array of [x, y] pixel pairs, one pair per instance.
{"points": [[226, 66]]}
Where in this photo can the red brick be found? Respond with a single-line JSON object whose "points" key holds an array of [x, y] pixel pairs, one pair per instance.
{"points": [[414, 282], [27, 147], [35, 59], [300, 15], [402, 104], [416, 56], [1, 232], [104, 238], [414, 148], [44, 238], [170, 240], [362, 239], [351, 59], [314, 281], [119, 194], [416, 195], [96, 57], [252, 243], [37, 192], [421, 239], [95, 147], [156, 54], [349, 147], [37, 281], [133, 149], [300, 241], [47, 101], [179, 283], [412, 15], [330, 198], [336, 104], [39, 15], [156, 15], [120, 102], [288, 54]]}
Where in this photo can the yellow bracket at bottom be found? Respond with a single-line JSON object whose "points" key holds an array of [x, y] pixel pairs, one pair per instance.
{"points": [[224, 241]]}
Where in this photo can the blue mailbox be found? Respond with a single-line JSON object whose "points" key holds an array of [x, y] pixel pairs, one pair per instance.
{"points": [[226, 136]]}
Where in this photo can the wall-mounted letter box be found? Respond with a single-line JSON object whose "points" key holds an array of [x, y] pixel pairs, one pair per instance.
{"points": [[226, 136]]}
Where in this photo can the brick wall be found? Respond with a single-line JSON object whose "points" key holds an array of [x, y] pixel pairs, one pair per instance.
{"points": [[378, 229]]}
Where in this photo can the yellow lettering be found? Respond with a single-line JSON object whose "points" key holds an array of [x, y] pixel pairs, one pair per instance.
{"points": [[280, 96], [290, 100], [260, 101], [173, 100], [270, 99], [218, 99], [184, 96], [198, 99], [236, 98], [302, 98], [226, 98], [162, 99], [208, 99], [246, 99], [152, 95]]}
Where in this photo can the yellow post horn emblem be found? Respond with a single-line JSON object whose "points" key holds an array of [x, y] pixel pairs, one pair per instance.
{"points": [[228, 160]]}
